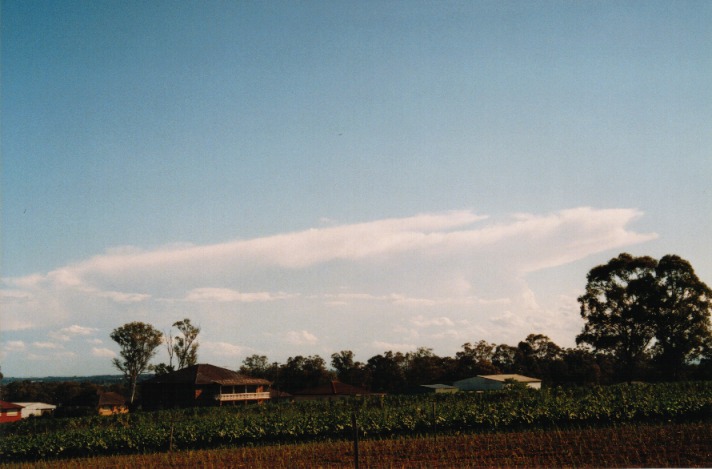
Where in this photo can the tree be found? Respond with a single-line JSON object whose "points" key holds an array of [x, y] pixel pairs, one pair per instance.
{"points": [[637, 308], [138, 342], [540, 356], [422, 367], [682, 316], [387, 372], [507, 359], [618, 311], [302, 373], [580, 366], [348, 370], [185, 346], [162, 369], [258, 366], [168, 340], [475, 360]]}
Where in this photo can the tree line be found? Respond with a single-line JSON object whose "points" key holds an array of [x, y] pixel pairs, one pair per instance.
{"points": [[645, 319]]}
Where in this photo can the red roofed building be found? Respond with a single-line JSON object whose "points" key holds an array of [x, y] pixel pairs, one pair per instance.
{"points": [[202, 385], [10, 412], [111, 403]]}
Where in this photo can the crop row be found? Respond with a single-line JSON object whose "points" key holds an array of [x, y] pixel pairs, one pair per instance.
{"points": [[144, 432]]}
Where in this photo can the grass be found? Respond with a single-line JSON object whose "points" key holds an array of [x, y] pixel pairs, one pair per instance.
{"points": [[649, 445]]}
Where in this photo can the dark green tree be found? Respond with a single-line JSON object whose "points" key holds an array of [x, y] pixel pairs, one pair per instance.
{"points": [[423, 367], [618, 312], [303, 372], [348, 370], [258, 366], [387, 372], [138, 342], [475, 360], [540, 357], [579, 367], [638, 309], [682, 316], [507, 359]]}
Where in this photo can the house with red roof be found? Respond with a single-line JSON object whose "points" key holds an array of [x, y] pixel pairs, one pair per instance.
{"points": [[203, 385], [10, 412], [112, 403]]}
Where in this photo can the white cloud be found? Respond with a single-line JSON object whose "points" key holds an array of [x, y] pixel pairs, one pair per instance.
{"points": [[15, 324], [422, 321], [121, 297], [65, 334], [301, 338], [403, 300], [14, 295], [102, 352], [428, 280], [393, 347], [207, 294], [78, 330], [46, 345], [223, 349], [15, 346], [54, 358]]}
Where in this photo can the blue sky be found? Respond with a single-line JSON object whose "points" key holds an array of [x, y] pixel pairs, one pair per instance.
{"points": [[307, 177]]}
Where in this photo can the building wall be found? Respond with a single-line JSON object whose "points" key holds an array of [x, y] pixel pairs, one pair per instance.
{"points": [[10, 415], [478, 383], [113, 409]]}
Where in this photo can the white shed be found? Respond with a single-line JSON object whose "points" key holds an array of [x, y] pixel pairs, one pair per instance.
{"points": [[494, 382], [36, 409]]}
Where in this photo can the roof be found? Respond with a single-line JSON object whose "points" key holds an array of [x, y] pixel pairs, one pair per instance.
{"points": [[206, 374], [437, 386], [4, 405], [513, 377], [36, 405], [334, 388], [111, 398]]}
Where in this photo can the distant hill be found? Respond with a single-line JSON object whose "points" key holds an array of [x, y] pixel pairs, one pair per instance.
{"points": [[96, 379]]}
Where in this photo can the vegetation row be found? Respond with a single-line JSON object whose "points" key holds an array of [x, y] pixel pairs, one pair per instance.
{"points": [[144, 432]]}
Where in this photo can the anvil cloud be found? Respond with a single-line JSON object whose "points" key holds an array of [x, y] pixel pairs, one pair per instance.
{"points": [[435, 280]]}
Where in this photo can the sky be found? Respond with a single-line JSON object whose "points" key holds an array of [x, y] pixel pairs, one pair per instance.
{"points": [[301, 178]]}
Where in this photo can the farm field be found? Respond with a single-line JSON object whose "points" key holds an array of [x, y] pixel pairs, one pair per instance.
{"points": [[516, 423], [659, 445]]}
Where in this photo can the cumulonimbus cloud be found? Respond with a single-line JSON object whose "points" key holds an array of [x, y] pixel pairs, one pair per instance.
{"points": [[450, 261], [566, 235]]}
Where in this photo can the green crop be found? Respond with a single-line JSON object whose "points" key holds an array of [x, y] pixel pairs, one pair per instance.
{"points": [[144, 432]]}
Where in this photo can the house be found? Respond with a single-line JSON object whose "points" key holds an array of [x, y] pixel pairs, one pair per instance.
{"points": [[203, 385], [35, 409], [494, 382], [111, 403], [434, 389], [332, 391], [10, 412]]}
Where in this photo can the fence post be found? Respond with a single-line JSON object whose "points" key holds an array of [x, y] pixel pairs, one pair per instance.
{"points": [[354, 426]]}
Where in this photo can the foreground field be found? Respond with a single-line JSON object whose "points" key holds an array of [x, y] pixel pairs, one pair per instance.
{"points": [[665, 424], [392, 417], [660, 445]]}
